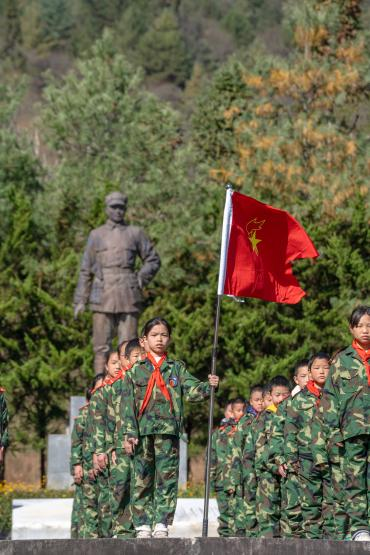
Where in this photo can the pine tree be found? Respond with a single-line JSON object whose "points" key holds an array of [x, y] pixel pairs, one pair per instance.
{"points": [[162, 49], [55, 22], [11, 47]]}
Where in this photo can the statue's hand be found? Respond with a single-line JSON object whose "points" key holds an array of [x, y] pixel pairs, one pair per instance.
{"points": [[79, 309]]}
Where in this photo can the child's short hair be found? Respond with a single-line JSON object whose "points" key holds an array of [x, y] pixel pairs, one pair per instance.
{"points": [[97, 378], [266, 389], [279, 381], [321, 355], [155, 322], [121, 346], [357, 314], [131, 346], [228, 402], [300, 364], [238, 401], [258, 388], [88, 394]]}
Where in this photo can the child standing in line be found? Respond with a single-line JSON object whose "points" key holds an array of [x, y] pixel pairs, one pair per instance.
{"points": [[315, 495], [300, 376], [245, 512], [152, 415], [345, 409], [268, 480], [221, 469]]}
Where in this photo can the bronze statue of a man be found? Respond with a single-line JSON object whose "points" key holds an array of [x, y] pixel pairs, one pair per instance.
{"points": [[108, 278]]}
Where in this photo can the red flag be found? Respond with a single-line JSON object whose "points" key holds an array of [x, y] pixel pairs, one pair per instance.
{"points": [[262, 243]]}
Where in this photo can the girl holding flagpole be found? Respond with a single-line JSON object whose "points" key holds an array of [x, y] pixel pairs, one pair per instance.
{"points": [[150, 425]]}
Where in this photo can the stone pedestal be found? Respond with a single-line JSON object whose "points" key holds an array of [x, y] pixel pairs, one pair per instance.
{"points": [[75, 403], [59, 452], [183, 463]]}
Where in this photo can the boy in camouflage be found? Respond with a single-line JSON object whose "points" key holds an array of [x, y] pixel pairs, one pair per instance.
{"points": [[96, 427], [76, 463], [290, 511], [315, 494], [245, 515], [85, 522], [345, 410], [122, 526], [222, 473], [268, 480], [151, 421]]}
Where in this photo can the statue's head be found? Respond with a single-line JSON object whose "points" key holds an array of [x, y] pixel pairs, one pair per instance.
{"points": [[116, 205]]}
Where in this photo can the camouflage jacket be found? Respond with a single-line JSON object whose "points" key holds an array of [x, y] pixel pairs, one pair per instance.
{"points": [[99, 420], [224, 471], [113, 414], [298, 426], [262, 440], [345, 402], [4, 420], [78, 437], [157, 417], [238, 440], [107, 276], [90, 446], [276, 455]]}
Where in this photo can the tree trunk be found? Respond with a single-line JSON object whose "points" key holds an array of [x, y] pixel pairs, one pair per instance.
{"points": [[43, 467]]}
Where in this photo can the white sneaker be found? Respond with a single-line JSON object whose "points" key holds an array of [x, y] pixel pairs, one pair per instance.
{"points": [[144, 531], [361, 536], [160, 531]]}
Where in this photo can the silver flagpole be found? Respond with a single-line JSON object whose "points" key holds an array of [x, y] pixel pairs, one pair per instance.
{"points": [[226, 225]]}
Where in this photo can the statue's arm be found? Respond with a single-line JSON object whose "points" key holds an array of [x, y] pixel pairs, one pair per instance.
{"points": [[82, 291], [150, 258]]}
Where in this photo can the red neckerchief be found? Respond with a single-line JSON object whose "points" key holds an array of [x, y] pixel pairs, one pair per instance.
{"points": [[121, 374], [364, 355], [312, 388], [109, 380], [96, 388], [156, 378]]}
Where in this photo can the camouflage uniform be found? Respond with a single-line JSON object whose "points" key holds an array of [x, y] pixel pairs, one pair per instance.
{"points": [[120, 477], [328, 456], [77, 459], [243, 456], [291, 516], [223, 478], [268, 480], [156, 460], [345, 409], [314, 483], [4, 420], [96, 420]]}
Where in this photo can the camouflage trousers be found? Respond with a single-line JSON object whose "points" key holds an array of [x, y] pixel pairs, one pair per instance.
{"points": [[356, 468], [104, 504], [155, 480], [291, 515], [246, 509], [227, 507], [89, 509], [120, 477], [268, 505], [316, 499], [338, 487], [76, 518]]}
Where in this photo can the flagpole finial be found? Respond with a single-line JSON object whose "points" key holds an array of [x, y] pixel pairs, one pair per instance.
{"points": [[228, 187]]}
